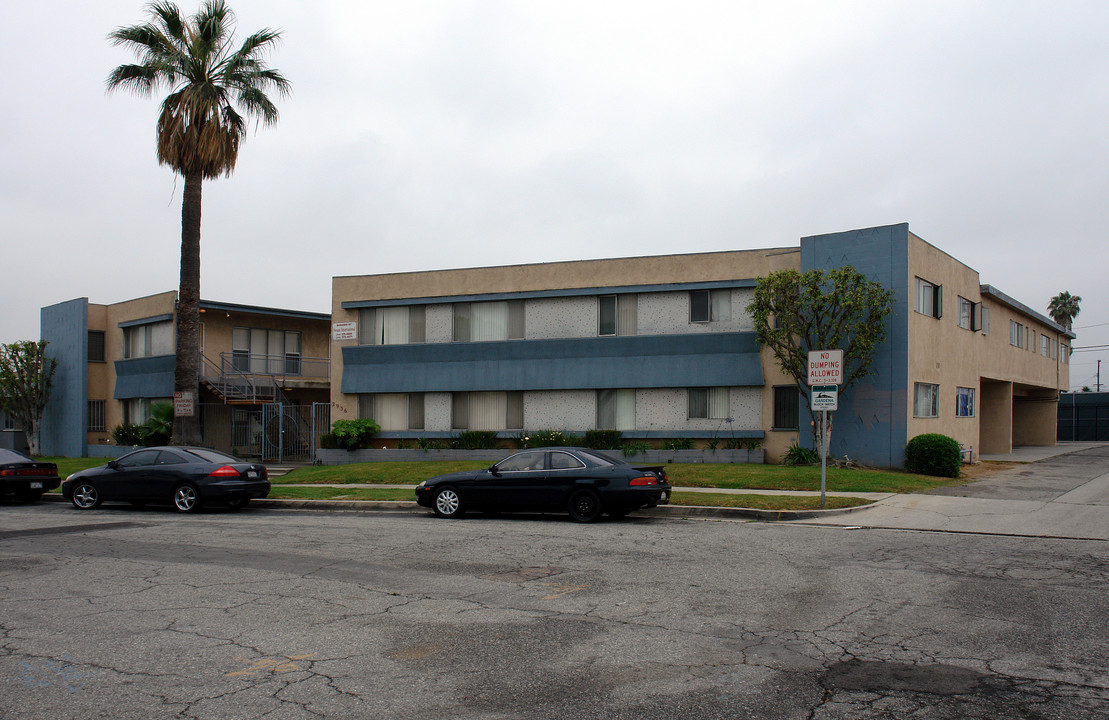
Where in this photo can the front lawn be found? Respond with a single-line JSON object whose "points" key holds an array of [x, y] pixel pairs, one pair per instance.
{"points": [[708, 475]]}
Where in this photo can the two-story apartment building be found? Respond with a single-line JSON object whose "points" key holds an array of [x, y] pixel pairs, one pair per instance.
{"points": [[115, 361], [663, 347]]}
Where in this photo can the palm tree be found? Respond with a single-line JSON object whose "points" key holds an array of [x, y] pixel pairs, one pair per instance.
{"points": [[1063, 308], [199, 132]]}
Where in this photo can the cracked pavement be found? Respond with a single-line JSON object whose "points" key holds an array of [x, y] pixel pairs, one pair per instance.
{"points": [[141, 613]]}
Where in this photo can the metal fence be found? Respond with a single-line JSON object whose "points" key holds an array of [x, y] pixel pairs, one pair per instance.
{"points": [[1083, 417], [277, 432]]}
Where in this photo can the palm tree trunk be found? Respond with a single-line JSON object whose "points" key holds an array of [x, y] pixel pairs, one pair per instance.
{"points": [[186, 377]]}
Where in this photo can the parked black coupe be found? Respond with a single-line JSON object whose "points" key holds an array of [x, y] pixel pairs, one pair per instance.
{"points": [[585, 483], [25, 478], [186, 477]]}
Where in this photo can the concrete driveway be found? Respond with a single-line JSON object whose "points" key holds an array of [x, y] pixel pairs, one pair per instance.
{"points": [[1063, 492]]}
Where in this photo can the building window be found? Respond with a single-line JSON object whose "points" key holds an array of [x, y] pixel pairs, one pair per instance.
{"points": [[265, 352], [786, 400], [136, 411], [489, 321], [966, 313], [708, 403], [148, 340], [96, 346], [487, 411], [393, 411], [617, 314], [616, 409], [964, 402], [1017, 334], [1064, 354], [710, 306], [984, 322], [392, 325], [929, 298], [97, 422], [1045, 346], [926, 400]]}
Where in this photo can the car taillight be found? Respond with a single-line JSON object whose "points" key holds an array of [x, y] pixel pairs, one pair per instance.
{"points": [[645, 480], [26, 471], [225, 471]]}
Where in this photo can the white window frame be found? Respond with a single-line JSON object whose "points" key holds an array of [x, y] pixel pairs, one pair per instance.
{"points": [[928, 298], [624, 312], [926, 400], [707, 403], [718, 306], [968, 407]]}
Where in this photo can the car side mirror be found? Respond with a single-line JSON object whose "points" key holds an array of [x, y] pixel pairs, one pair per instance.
{"points": [[494, 471], [113, 465]]}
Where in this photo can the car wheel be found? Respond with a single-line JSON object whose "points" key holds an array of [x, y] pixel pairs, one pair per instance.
{"points": [[85, 496], [447, 503], [186, 498], [585, 506], [238, 503], [30, 496]]}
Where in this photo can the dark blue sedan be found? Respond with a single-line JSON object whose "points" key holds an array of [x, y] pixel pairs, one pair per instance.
{"points": [[585, 483], [185, 477]]}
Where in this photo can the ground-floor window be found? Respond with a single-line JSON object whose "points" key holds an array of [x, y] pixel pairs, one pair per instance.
{"points": [[136, 411], [786, 400], [964, 402], [926, 400], [616, 409], [393, 411], [708, 402], [487, 411], [97, 422]]}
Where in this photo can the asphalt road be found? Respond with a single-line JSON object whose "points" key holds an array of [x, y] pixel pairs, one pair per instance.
{"points": [[124, 613]]}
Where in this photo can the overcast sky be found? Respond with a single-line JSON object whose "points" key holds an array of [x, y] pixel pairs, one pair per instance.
{"points": [[440, 134]]}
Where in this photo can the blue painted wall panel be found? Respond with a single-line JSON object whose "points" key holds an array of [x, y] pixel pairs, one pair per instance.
{"points": [[870, 425], [708, 360], [65, 327]]}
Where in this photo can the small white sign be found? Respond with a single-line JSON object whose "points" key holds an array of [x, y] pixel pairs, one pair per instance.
{"points": [[825, 367], [824, 397], [344, 331], [183, 404]]}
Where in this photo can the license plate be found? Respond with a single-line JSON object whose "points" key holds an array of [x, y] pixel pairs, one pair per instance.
{"points": [[36, 485], [252, 473]]}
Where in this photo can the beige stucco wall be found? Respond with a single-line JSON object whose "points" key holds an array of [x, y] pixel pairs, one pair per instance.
{"points": [[941, 352], [101, 375], [219, 329]]}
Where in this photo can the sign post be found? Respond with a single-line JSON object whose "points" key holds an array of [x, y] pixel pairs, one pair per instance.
{"points": [[825, 377]]}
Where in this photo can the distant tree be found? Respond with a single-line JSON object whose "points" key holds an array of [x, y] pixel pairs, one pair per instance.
{"points": [[841, 309], [26, 377], [1064, 308], [199, 132]]}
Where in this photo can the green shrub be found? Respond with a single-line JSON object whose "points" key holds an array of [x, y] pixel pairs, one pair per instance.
{"points": [[430, 444], [127, 434], [933, 454], [158, 428], [743, 444], [354, 434], [635, 448], [679, 444], [476, 439], [554, 438], [328, 442], [602, 439], [797, 455]]}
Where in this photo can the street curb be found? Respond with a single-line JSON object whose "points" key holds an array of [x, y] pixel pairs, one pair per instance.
{"points": [[669, 511]]}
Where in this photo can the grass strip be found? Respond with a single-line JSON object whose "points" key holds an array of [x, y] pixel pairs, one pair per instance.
{"points": [[330, 493], [764, 502]]}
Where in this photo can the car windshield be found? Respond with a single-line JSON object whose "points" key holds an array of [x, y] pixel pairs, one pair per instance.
{"points": [[11, 456], [212, 456], [598, 458]]}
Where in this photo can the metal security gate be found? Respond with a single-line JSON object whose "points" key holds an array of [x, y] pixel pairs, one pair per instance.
{"points": [[276, 432]]}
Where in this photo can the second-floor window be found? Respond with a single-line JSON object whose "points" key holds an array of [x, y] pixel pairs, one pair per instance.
{"points": [[391, 325], [617, 314], [489, 321], [265, 352], [929, 298], [1018, 334], [148, 340], [710, 306], [96, 346]]}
